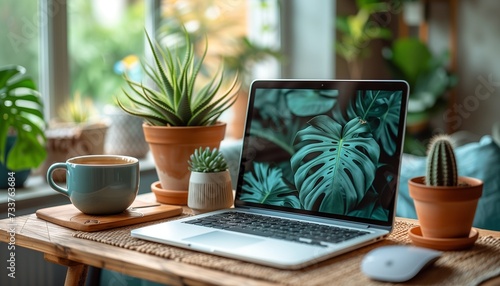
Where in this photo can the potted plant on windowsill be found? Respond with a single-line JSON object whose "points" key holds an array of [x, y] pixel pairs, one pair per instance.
{"points": [[210, 182], [78, 131], [22, 138], [179, 117], [445, 203]]}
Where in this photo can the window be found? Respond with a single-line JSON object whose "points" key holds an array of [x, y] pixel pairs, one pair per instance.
{"points": [[20, 42], [226, 25], [105, 39], [80, 50]]}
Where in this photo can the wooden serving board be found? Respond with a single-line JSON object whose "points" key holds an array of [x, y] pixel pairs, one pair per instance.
{"points": [[138, 212]]}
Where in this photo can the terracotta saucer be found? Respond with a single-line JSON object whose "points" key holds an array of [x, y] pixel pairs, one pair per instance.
{"points": [[169, 196], [444, 244]]}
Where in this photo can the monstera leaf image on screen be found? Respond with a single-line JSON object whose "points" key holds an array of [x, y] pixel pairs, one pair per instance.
{"points": [[324, 151]]}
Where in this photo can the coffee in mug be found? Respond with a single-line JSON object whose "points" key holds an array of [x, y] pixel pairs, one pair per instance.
{"points": [[99, 184]]}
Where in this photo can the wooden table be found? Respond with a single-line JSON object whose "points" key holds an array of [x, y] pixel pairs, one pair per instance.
{"points": [[59, 246]]}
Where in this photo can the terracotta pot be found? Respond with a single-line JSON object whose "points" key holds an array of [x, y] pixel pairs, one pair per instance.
{"points": [[210, 191], [445, 212], [65, 141], [166, 196], [172, 146]]}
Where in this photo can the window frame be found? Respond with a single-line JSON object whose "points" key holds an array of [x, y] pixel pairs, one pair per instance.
{"points": [[54, 58], [54, 81], [54, 65]]}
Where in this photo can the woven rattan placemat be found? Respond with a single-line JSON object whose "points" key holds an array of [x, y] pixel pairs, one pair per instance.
{"points": [[466, 267]]}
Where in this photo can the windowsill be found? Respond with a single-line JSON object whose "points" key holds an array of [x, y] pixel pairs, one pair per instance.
{"points": [[37, 194]]}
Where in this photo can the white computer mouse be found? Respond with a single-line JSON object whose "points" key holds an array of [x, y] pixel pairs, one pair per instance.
{"points": [[397, 263]]}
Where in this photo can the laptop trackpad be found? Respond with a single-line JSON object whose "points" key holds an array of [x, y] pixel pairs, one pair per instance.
{"points": [[219, 239]]}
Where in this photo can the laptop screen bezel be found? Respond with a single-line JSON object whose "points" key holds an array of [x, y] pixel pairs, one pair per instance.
{"points": [[354, 85]]}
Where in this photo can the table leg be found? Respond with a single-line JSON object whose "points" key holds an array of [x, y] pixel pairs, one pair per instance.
{"points": [[76, 273]]}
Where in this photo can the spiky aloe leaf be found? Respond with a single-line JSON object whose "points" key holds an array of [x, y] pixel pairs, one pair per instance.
{"points": [[207, 111]]}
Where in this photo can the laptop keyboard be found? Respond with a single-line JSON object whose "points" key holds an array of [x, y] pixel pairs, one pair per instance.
{"points": [[278, 228]]}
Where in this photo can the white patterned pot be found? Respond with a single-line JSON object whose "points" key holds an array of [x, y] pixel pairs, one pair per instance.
{"points": [[125, 135], [209, 191]]}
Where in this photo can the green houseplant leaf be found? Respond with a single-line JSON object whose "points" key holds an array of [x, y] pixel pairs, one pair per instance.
{"points": [[278, 124], [335, 165], [355, 32], [265, 185], [370, 207], [380, 109], [21, 112], [410, 66], [427, 75], [311, 102]]}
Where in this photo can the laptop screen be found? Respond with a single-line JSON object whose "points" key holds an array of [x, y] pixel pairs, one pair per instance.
{"points": [[327, 148]]}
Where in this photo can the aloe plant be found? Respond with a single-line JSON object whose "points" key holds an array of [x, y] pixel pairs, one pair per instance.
{"points": [[441, 164], [175, 101], [207, 161]]}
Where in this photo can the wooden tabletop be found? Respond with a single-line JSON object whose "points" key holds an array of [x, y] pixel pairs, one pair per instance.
{"points": [[59, 246]]}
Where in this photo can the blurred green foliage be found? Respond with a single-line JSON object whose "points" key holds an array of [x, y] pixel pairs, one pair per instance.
{"points": [[95, 48], [355, 32], [224, 25]]}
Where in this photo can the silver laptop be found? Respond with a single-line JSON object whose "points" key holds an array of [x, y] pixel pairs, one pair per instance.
{"points": [[318, 175]]}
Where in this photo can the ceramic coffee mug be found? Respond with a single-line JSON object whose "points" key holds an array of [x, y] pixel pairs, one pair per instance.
{"points": [[99, 184]]}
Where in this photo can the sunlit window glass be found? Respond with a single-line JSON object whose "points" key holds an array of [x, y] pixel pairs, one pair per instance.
{"points": [[19, 39], [106, 39]]}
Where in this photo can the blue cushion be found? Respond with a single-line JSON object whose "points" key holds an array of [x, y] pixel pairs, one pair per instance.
{"points": [[479, 160]]}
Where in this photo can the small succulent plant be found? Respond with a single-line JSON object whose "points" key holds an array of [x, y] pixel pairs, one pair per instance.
{"points": [[77, 110], [207, 161], [441, 164]]}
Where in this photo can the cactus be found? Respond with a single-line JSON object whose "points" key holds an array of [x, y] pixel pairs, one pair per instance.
{"points": [[441, 164], [207, 161]]}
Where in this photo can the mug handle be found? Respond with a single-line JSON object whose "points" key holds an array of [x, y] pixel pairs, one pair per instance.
{"points": [[50, 180]]}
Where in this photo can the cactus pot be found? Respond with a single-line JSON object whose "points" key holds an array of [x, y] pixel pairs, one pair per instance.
{"points": [[445, 212], [209, 191]]}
